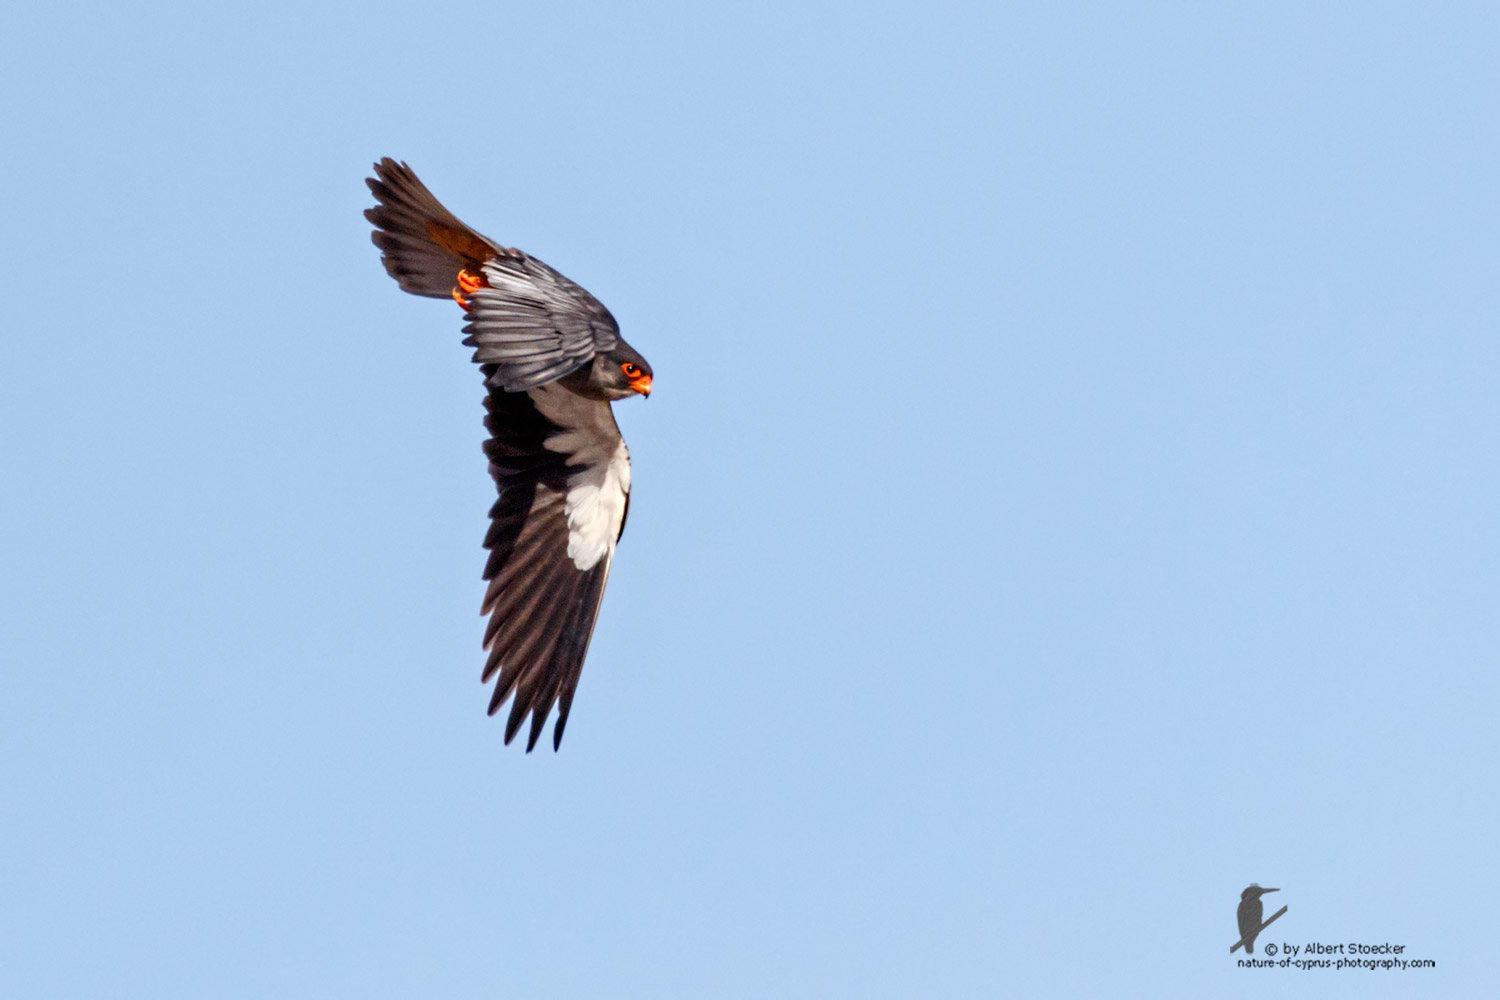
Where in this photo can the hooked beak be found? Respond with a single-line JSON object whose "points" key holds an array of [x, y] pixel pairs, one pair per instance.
{"points": [[641, 384]]}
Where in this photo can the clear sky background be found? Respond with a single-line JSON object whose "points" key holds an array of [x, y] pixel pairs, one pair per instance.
{"points": [[1069, 496]]}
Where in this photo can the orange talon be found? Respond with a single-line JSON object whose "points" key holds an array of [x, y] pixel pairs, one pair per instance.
{"points": [[469, 281], [460, 300]]}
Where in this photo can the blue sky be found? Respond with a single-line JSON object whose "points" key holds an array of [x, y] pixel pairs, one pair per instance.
{"points": [[1068, 496]]}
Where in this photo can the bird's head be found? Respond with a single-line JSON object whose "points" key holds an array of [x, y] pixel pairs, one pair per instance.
{"points": [[621, 372], [1254, 891]]}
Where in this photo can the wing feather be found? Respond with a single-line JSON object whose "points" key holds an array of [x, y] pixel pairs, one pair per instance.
{"points": [[553, 454]]}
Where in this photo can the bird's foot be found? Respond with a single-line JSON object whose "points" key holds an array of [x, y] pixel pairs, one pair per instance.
{"points": [[468, 283]]}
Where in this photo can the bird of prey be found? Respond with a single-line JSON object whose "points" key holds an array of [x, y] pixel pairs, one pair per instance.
{"points": [[1249, 914], [553, 360]]}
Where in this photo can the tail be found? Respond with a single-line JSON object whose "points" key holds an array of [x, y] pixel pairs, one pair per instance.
{"points": [[422, 244], [1250, 947]]}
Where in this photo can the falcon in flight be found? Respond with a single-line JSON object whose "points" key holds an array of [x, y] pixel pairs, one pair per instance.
{"points": [[553, 360]]}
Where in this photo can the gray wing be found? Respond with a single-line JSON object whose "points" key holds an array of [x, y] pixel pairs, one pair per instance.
{"points": [[527, 321], [564, 480], [533, 324]]}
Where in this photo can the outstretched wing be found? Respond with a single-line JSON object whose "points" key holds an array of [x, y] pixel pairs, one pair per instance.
{"points": [[526, 321], [563, 473]]}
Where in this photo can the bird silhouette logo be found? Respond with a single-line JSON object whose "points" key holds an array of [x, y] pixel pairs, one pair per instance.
{"points": [[1249, 915]]}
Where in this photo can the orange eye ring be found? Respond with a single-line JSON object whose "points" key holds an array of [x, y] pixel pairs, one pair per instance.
{"points": [[630, 370]]}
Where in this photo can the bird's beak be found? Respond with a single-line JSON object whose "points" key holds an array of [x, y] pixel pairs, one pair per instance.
{"points": [[641, 384], [1264, 891]]}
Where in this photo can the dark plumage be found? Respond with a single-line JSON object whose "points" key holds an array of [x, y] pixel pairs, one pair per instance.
{"points": [[553, 359], [1249, 915]]}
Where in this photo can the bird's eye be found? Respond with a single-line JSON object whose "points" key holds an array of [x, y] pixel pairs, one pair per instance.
{"points": [[630, 370]]}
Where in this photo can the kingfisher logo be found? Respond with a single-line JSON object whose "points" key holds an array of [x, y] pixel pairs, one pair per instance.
{"points": [[1249, 914]]}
